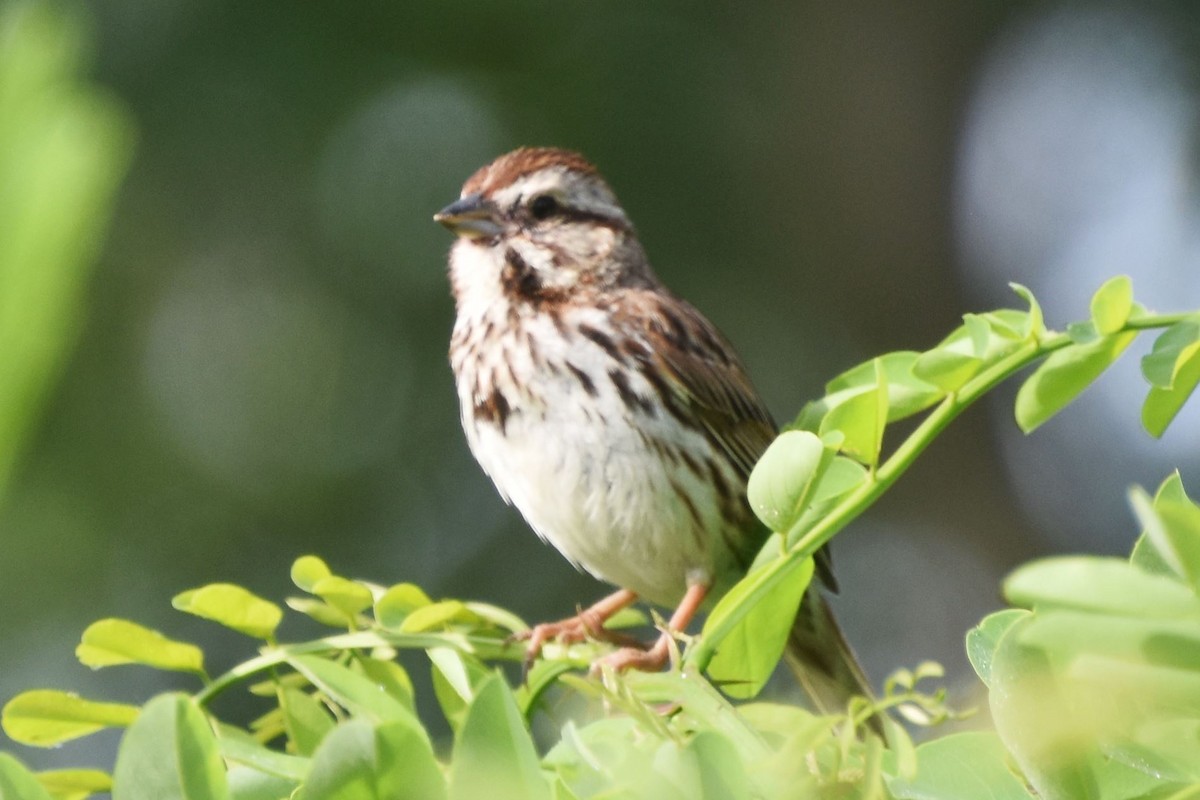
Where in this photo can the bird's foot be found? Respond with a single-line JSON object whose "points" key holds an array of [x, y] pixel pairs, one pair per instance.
{"points": [[587, 624], [642, 659]]}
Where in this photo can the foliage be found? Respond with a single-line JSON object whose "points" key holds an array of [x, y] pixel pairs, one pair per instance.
{"points": [[1093, 677], [64, 146]]}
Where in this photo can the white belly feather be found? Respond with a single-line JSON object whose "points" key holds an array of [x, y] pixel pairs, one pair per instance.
{"points": [[581, 471]]}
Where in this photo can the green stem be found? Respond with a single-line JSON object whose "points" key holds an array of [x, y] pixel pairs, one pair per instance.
{"points": [[897, 464]]}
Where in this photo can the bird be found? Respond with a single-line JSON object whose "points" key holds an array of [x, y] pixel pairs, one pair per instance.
{"points": [[610, 412]]}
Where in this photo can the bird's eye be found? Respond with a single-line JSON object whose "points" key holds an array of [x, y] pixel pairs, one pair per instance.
{"points": [[543, 206]]}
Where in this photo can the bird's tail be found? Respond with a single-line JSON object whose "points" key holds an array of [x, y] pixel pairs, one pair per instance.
{"points": [[821, 658]]}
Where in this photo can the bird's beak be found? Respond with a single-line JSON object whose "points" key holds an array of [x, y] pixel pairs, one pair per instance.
{"points": [[472, 217]]}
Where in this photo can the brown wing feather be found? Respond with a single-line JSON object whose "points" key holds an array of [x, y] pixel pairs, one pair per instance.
{"points": [[702, 373], [706, 376]]}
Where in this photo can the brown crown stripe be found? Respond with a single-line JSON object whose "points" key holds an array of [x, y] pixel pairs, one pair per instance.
{"points": [[527, 160]]}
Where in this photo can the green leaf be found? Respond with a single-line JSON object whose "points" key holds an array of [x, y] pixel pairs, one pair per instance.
{"points": [[73, 784], [307, 571], [305, 719], [1035, 327], [46, 717], [347, 596], [946, 368], [1172, 527], [388, 761], [1162, 405], [246, 783], [318, 610], [1147, 661], [456, 678], [18, 783], [1037, 724], [170, 752], [1161, 364], [721, 773], [494, 756], [118, 641], [352, 691], [1099, 585], [907, 394], [397, 603], [239, 747], [983, 639], [748, 653], [500, 617], [65, 146], [437, 616], [1063, 375], [233, 607], [1111, 305], [389, 676], [861, 419], [959, 766], [1083, 332], [1146, 555], [782, 481]]}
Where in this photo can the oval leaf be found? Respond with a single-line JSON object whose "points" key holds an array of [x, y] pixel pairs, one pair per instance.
{"points": [[749, 650], [360, 761], [1035, 325], [494, 756], [1111, 305], [74, 784], [437, 616], [307, 570], [46, 717], [349, 597], [18, 783], [233, 607], [1162, 362], [782, 480], [352, 691], [958, 766], [1063, 375], [1162, 405], [983, 639], [861, 420], [305, 719], [170, 752], [1100, 585], [397, 603], [118, 641]]}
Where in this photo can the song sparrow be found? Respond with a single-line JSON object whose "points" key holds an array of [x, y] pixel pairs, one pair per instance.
{"points": [[610, 412]]}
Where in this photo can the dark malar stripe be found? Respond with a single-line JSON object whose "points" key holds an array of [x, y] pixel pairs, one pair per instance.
{"points": [[518, 279], [494, 408]]}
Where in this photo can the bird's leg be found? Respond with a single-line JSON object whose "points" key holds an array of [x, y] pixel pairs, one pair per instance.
{"points": [[588, 622], [655, 658]]}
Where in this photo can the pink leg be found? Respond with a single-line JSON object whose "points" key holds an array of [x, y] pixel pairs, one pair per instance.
{"points": [[655, 658], [587, 623]]}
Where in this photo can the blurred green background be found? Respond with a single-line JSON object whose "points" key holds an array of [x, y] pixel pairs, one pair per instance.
{"points": [[252, 366]]}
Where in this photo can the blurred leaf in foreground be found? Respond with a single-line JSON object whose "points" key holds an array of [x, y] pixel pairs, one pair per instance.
{"points": [[64, 147]]}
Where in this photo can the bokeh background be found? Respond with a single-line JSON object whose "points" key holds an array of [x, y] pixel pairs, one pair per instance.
{"points": [[252, 366]]}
